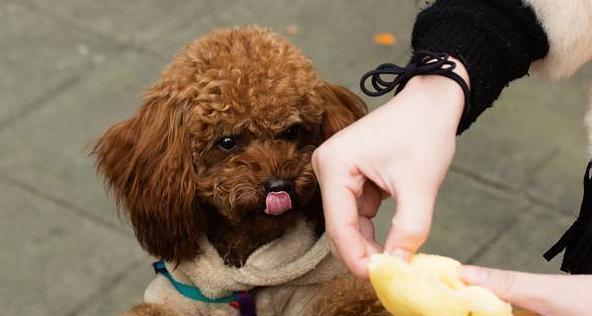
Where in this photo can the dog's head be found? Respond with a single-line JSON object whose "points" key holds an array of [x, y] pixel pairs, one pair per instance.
{"points": [[229, 128]]}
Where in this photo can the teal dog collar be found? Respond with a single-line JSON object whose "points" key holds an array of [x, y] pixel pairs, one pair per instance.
{"points": [[244, 301]]}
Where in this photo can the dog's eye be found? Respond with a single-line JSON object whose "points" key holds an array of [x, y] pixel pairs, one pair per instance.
{"points": [[292, 132], [226, 143]]}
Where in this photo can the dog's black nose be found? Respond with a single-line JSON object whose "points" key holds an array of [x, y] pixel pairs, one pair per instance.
{"points": [[277, 185]]}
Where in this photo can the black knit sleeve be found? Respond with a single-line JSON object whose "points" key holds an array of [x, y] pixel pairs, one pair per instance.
{"points": [[496, 40]]}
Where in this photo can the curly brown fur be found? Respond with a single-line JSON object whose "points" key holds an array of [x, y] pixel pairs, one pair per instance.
{"points": [[348, 296], [176, 184], [150, 310]]}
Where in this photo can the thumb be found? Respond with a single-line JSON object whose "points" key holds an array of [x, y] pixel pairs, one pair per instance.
{"points": [[526, 290], [410, 225]]}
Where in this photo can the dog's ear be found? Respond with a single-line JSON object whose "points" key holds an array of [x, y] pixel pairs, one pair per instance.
{"points": [[147, 163], [342, 107]]}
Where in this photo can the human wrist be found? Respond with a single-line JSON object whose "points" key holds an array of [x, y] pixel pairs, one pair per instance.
{"points": [[438, 99]]}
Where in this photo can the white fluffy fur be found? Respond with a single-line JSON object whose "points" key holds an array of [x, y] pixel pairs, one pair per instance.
{"points": [[568, 24]]}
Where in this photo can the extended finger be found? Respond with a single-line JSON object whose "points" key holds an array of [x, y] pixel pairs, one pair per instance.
{"points": [[527, 290], [410, 225], [341, 217]]}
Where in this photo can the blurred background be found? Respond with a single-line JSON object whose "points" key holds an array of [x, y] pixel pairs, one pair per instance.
{"points": [[71, 68]]}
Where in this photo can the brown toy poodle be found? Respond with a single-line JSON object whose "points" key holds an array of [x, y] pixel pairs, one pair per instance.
{"points": [[214, 173]]}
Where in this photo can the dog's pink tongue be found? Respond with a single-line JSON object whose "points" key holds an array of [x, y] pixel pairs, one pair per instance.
{"points": [[277, 203]]}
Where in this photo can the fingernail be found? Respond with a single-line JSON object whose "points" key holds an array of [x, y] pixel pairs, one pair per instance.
{"points": [[472, 274], [400, 253]]}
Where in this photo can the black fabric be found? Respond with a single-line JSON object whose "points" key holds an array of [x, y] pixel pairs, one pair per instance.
{"points": [[577, 240], [496, 40]]}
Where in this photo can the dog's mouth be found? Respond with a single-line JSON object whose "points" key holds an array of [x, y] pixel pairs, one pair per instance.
{"points": [[277, 203]]}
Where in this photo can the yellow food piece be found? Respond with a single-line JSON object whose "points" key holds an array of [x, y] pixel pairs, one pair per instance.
{"points": [[430, 285]]}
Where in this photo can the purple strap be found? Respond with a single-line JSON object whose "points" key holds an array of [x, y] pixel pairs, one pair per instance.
{"points": [[246, 302]]}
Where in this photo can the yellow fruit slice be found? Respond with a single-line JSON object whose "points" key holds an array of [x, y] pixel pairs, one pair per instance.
{"points": [[430, 285]]}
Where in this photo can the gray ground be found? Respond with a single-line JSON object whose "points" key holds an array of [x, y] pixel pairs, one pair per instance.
{"points": [[71, 68]]}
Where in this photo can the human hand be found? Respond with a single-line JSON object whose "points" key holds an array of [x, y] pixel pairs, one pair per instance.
{"points": [[403, 149], [545, 294]]}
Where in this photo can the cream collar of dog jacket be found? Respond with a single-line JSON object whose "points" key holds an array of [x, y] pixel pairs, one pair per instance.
{"points": [[290, 270]]}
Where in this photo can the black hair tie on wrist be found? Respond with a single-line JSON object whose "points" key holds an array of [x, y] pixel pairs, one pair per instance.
{"points": [[422, 63]]}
